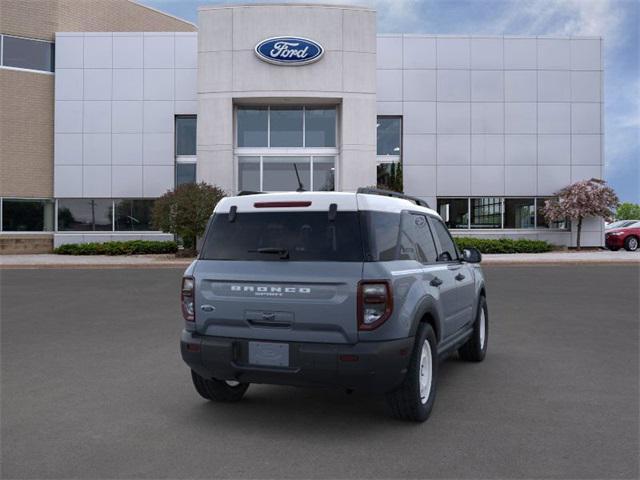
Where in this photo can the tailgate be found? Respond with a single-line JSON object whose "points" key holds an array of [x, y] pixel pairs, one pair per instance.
{"points": [[266, 300]]}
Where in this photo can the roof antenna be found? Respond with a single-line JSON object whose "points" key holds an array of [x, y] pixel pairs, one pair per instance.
{"points": [[300, 185]]}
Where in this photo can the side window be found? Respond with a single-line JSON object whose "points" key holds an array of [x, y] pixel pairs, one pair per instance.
{"points": [[448, 251], [416, 242]]}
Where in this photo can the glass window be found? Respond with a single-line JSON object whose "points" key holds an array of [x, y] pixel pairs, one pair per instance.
{"points": [[389, 176], [454, 212], [249, 174], [448, 250], [416, 242], [26, 215], [285, 125], [320, 127], [26, 53], [389, 132], [253, 124], [383, 229], [186, 135], [303, 236], [486, 212], [185, 173], [84, 214], [324, 169], [542, 222], [286, 173], [519, 213], [133, 215]]}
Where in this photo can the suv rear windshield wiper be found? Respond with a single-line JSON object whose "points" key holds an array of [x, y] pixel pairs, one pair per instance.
{"points": [[283, 252]]}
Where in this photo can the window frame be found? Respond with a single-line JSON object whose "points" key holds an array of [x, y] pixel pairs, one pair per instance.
{"points": [[261, 161], [22, 69], [268, 146], [51, 201], [267, 151], [436, 244], [439, 248], [389, 159], [183, 159], [536, 228]]}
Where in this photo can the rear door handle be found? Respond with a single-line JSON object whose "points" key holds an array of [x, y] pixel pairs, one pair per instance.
{"points": [[436, 282], [459, 277]]}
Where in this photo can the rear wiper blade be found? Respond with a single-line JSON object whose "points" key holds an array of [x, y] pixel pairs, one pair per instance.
{"points": [[283, 252]]}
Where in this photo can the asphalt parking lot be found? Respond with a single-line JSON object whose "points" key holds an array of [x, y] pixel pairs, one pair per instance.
{"points": [[93, 387]]}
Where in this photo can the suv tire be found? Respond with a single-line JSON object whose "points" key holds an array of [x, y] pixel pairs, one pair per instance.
{"points": [[631, 243], [414, 398], [475, 349], [218, 390]]}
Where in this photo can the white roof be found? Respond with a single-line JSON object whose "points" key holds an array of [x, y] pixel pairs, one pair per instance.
{"points": [[319, 201]]}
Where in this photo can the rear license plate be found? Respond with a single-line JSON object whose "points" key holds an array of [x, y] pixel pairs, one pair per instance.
{"points": [[269, 354]]}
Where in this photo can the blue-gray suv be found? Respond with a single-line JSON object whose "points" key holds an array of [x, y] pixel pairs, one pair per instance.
{"points": [[363, 291]]}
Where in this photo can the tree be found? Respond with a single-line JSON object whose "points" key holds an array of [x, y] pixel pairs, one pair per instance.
{"points": [[586, 198], [186, 210], [628, 211]]}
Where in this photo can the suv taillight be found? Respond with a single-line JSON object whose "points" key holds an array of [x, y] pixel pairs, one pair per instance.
{"points": [[375, 303], [187, 298]]}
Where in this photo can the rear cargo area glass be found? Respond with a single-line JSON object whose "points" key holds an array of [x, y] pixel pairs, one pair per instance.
{"points": [[304, 236]]}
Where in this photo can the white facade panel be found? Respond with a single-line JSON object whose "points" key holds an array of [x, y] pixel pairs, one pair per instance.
{"points": [[106, 135], [127, 51], [419, 52], [554, 118], [69, 84], [487, 85], [585, 118], [487, 149], [586, 150], [487, 117], [487, 180], [520, 86], [554, 54], [158, 51], [487, 53], [554, 149], [68, 149], [419, 85], [98, 52], [158, 84], [128, 84], [454, 149], [453, 117], [97, 85], [453, 52], [454, 86], [96, 149], [520, 53]]}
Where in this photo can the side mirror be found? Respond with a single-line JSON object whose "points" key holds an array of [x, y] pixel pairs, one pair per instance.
{"points": [[471, 255]]}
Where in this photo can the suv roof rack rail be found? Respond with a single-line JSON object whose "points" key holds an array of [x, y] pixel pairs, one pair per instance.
{"points": [[389, 193], [248, 192]]}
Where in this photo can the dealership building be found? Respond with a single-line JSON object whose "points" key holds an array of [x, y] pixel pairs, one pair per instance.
{"points": [[107, 105]]}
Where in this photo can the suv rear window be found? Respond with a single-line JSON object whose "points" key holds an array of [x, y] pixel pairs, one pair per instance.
{"points": [[289, 236]]}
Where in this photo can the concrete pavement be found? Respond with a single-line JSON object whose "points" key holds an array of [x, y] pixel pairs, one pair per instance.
{"points": [[159, 261], [93, 387]]}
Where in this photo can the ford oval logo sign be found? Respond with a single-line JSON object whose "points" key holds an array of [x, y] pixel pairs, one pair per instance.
{"points": [[289, 51]]}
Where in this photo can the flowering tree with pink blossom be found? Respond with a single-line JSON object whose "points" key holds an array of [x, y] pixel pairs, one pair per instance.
{"points": [[586, 198]]}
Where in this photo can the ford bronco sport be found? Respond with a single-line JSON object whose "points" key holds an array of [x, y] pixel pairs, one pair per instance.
{"points": [[359, 290]]}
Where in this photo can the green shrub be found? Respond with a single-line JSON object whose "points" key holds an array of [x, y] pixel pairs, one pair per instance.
{"points": [[504, 245], [132, 247]]}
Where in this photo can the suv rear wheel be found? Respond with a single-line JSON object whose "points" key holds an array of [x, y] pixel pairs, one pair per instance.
{"points": [[218, 390], [475, 348], [414, 398]]}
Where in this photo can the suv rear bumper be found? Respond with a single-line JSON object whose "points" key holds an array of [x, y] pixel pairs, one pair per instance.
{"points": [[369, 366]]}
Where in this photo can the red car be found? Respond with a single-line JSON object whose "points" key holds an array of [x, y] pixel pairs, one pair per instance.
{"points": [[627, 237]]}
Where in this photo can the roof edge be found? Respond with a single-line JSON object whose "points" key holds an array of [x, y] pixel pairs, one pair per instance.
{"points": [[137, 2]]}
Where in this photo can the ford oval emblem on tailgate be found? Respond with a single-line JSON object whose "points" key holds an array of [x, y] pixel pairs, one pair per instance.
{"points": [[289, 51]]}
